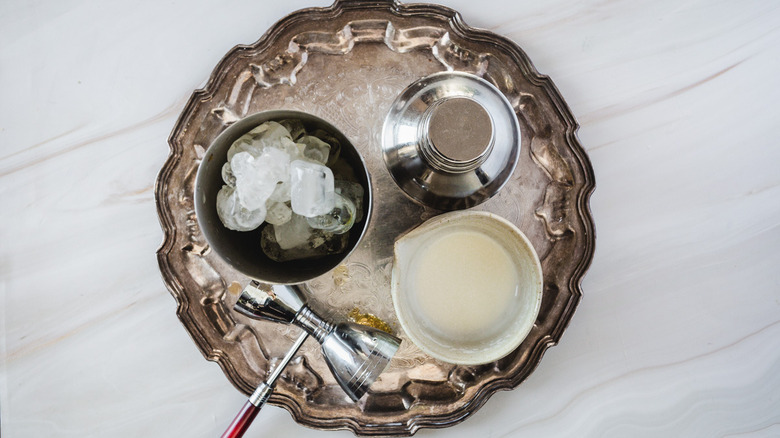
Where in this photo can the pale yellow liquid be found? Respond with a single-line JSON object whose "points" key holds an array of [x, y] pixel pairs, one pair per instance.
{"points": [[465, 284]]}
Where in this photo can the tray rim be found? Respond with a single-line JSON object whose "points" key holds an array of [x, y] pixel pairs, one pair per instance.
{"points": [[463, 30]]}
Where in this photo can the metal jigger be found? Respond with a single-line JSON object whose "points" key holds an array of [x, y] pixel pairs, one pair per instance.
{"points": [[356, 354]]}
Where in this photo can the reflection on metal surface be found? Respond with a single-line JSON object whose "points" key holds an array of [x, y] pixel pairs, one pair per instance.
{"points": [[346, 64], [451, 140]]}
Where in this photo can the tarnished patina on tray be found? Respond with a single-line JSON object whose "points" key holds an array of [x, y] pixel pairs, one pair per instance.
{"points": [[346, 64]]}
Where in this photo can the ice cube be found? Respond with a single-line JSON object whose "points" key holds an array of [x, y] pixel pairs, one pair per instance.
{"points": [[315, 149], [243, 144], [254, 184], [235, 216], [242, 164], [254, 141], [269, 132], [276, 163], [292, 149], [295, 127], [278, 213], [274, 136], [294, 232], [318, 244], [227, 175], [335, 144], [337, 221], [354, 192], [312, 188], [281, 192]]}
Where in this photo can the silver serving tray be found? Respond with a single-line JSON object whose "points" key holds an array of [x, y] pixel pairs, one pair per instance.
{"points": [[346, 63]]}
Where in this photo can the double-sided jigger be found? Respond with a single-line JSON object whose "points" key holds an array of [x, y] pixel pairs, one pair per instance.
{"points": [[356, 354]]}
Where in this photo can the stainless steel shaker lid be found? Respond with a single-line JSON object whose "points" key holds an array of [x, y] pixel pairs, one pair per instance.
{"points": [[451, 140]]}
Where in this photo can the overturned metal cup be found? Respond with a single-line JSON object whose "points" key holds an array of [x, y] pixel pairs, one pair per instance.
{"points": [[451, 140]]}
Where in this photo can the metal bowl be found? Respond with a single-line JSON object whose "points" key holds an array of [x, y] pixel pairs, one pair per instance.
{"points": [[242, 249], [451, 140]]}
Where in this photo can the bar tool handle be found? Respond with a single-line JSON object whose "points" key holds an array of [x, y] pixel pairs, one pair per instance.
{"points": [[242, 421], [261, 395]]}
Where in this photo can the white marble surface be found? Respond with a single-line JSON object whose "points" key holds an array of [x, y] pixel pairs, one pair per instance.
{"points": [[677, 335]]}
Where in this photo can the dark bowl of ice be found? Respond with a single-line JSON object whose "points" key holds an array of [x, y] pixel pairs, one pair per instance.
{"points": [[282, 196]]}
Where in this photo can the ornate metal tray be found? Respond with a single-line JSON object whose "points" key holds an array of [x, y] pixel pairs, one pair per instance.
{"points": [[346, 63]]}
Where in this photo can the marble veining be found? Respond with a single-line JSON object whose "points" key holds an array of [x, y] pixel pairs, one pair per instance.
{"points": [[677, 333]]}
